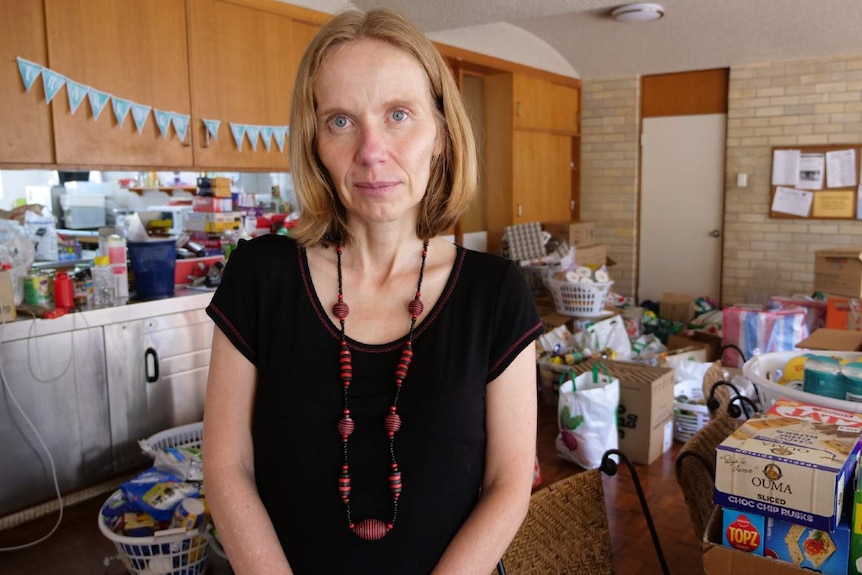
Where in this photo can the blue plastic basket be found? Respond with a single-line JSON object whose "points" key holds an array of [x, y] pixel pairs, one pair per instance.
{"points": [[153, 265]]}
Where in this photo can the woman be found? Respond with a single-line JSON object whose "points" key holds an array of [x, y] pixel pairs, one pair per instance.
{"points": [[371, 399]]}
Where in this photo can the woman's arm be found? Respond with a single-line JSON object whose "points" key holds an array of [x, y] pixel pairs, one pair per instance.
{"points": [[510, 455], [243, 524]]}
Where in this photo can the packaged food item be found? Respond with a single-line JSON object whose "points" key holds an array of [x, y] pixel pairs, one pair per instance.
{"points": [[158, 493], [823, 377], [189, 514]]}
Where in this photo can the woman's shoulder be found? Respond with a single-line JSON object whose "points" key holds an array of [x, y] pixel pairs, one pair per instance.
{"points": [[267, 246], [485, 262]]}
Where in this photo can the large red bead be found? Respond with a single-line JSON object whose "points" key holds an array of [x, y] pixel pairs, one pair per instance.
{"points": [[346, 426], [370, 529], [416, 306], [340, 309], [392, 422]]}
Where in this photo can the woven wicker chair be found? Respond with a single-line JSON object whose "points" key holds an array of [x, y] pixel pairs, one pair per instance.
{"points": [[722, 393], [695, 469], [565, 531]]}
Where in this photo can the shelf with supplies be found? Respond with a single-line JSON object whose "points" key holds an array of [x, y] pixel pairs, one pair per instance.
{"points": [[816, 182]]}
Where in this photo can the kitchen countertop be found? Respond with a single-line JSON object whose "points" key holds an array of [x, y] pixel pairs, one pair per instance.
{"points": [[183, 300]]}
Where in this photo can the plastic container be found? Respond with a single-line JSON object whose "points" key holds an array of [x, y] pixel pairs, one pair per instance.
{"points": [[173, 552], [64, 291], [762, 370], [579, 299], [103, 282], [688, 418], [153, 265]]}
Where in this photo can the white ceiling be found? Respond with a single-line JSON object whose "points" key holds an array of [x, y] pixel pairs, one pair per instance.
{"points": [[578, 37]]}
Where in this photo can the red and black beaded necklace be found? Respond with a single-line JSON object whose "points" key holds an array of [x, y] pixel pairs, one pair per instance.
{"points": [[373, 529]]}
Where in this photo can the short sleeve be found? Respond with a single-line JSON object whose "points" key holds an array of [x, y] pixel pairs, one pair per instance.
{"points": [[516, 321], [234, 306]]}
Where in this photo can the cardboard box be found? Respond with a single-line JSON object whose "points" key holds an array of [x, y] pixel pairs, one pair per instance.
{"points": [[553, 319], [7, 297], [844, 313], [674, 357], [832, 340], [743, 531], [787, 468], [721, 560], [838, 271], [576, 233], [710, 342], [645, 414], [594, 256], [676, 307], [794, 544]]}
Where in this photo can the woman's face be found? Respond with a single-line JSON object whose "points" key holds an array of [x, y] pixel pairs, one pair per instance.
{"points": [[377, 131]]}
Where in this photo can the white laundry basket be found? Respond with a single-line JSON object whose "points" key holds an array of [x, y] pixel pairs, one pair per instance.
{"points": [[760, 370], [688, 417]]}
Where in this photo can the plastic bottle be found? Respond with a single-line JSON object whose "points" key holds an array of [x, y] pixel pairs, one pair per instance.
{"points": [[103, 282], [64, 291]]}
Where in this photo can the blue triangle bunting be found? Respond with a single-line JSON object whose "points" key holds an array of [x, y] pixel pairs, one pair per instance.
{"points": [[76, 93], [212, 127], [139, 115], [278, 133], [181, 124], [238, 132], [163, 121], [121, 109], [253, 134], [97, 102], [266, 136], [29, 72], [52, 82]]}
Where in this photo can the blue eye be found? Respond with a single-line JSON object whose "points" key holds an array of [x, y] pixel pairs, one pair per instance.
{"points": [[340, 122], [399, 115]]}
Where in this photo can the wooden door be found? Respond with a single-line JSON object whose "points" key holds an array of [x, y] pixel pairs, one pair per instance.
{"points": [[541, 178], [130, 49], [242, 72], [682, 194], [26, 133], [303, 32]]}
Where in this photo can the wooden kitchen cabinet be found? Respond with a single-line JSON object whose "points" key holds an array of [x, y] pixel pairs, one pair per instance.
{"points": [[127, 48], [242, 71], [529, 171], [543, 105], [26, 136], [541, 177]]}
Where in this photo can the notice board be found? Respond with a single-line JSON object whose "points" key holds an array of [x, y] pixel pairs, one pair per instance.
{"points": [[816, 182]]}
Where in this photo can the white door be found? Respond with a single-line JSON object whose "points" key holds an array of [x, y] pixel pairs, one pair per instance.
{"points": [[682, 188]]}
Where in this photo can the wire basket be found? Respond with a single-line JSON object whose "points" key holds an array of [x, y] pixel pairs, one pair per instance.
{"points": [[579, 299], [172, 551], [688, 418]]}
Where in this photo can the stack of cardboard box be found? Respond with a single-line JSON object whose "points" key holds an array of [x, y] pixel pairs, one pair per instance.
{"points": [[582, 237]]}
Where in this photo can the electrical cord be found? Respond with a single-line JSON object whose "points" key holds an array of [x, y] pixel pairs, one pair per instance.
{"points": [[8, 389]]}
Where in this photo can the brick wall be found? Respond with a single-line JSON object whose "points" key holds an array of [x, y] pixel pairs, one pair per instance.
{"points": [[610, 124], [801, 102]]}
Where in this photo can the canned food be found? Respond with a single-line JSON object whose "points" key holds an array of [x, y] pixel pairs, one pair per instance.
{"points": [[188, 514], [37, 289]]}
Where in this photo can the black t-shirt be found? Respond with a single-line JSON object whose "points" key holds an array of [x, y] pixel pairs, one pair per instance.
{"points": [[267, 307]]}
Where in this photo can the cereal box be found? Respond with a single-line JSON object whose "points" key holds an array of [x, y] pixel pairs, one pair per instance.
{"points": [[821, 551], [799, 410], [856, 529], [786, 468], [743, 530]]}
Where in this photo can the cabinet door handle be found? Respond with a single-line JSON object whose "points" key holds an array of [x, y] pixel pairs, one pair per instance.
{"points": [[518, 108], [520, 210], [151, 352]]}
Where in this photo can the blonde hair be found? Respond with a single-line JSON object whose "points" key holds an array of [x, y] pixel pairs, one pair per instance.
{"points": [[452, 183]]}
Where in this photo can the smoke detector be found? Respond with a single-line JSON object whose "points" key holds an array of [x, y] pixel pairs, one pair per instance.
{"points": [[638, 12]]}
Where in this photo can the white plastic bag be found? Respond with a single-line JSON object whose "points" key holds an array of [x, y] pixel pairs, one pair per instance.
{"points": [[587, 417], [607, 334]]}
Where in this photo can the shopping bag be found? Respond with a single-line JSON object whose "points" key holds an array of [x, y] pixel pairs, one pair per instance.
{"points": [[606, 336], [756, 331], [587, 416]]}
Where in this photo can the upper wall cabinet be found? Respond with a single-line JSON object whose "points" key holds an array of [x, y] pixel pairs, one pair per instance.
{"points": [[543, 105], [25, 120], [133, 50], [242, 72]]}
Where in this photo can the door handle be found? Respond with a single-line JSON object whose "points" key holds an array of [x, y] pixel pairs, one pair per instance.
{"points": [[151, 352], [715, 233]]}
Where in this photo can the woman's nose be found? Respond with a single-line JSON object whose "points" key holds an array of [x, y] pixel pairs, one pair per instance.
{"points": [[372, 145]]}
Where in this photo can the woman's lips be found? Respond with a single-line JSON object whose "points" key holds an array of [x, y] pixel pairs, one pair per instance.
{"points": [[376, 188]]}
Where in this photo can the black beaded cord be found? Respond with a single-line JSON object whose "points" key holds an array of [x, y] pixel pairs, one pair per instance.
{"points": [[373, 529]]}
